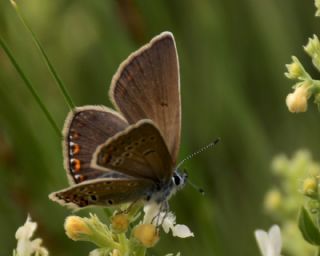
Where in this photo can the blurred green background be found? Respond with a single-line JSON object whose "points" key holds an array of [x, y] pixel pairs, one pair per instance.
{"points": [[232, 56]]}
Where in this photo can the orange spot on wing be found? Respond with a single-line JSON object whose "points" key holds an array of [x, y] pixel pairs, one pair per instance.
{"points": [[76, 165], [74, 134], [75, 149]]}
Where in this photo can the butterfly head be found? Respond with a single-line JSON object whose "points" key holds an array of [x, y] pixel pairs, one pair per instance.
{"points": [[179, 179]]}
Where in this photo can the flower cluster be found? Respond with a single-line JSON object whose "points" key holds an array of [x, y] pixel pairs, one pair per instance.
{"points": [[297, 176], [26, 246], [305, 86], [125, 234]]}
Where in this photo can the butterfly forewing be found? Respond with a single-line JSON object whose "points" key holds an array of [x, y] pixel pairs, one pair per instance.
{"points": [[139, 151], [103, 192], [146, 86], [85, 129]]}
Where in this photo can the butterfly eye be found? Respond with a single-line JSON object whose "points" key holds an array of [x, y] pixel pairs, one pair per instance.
{"points": [[110, 201], [176, 180]]}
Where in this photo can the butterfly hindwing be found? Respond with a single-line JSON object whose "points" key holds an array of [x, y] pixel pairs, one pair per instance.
{"points": [[103, 192], [85, 128], [138, 151], [147, 86]]}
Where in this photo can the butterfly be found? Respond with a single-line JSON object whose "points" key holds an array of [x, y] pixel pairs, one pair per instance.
{"points": [[115, 157]]}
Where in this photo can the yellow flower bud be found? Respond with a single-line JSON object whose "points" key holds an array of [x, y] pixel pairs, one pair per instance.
{"points": [[146, 234], [309, 186], [273, 200], [120, 223], [298, 100], [76, 227]]}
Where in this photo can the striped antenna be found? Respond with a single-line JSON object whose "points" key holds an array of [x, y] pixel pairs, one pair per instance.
{"points": [[210, 145]]}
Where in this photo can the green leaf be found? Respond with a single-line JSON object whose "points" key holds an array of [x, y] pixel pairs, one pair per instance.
{"points": [[309, 230]]}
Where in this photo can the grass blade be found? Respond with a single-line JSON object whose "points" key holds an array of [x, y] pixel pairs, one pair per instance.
{"points": [[53, 72], [30, 87]]}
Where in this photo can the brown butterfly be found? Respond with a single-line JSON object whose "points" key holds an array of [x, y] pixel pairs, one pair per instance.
{"points": [[130, 155]]}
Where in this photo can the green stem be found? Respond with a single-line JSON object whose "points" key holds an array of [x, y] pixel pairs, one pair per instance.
{"points": [[141, 251], [54, 74], [103, 240], [103, 243], [124, 244], [30, 87], [135, 248]]}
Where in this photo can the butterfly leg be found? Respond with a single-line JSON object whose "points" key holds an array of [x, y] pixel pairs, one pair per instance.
{"points": [[134, 207], [159, 218], [166, 210]]}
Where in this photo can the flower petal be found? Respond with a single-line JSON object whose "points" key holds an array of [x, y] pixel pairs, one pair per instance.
{"points": [[168, 222], [263, 241], [26, 231], [275, 239], [181, 231]]}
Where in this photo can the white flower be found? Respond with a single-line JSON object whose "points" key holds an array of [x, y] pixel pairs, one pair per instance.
{"points": [[178, 230], [26, 247], [167, 219], [269, 243]]}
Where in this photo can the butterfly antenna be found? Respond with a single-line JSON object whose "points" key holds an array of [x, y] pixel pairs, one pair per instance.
{"points": [[196, 187], [198, 152]]}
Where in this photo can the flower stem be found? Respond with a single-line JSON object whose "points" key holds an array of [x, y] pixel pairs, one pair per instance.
{"points": [[104, 242], [54, 74], [124, 244], [30, 87], [141, 251]]}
